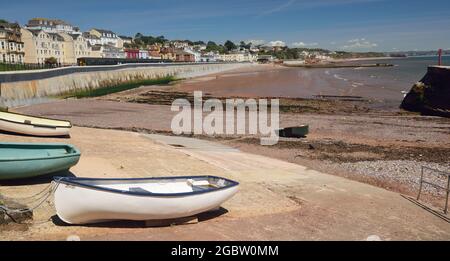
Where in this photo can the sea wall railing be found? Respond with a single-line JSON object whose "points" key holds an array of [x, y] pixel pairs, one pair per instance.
{"points": [[426, 182], [17, 67]]}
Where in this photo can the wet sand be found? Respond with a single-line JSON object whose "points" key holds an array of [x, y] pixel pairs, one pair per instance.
{"points": [[278, 81]]}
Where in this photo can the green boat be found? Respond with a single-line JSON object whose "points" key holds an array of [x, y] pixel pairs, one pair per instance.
{"points": [[26, 160], [294, 132]]}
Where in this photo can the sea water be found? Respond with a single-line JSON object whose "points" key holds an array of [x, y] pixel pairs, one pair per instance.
{"points": [[400, 78]]}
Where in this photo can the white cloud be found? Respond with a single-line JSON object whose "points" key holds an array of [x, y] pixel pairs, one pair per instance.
{"points": [[255, 42], [277, 43], [359, 43], [278, 8], [302, 44]]}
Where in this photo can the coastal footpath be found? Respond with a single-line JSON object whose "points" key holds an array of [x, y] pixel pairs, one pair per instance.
{"points": [[28, 87]]}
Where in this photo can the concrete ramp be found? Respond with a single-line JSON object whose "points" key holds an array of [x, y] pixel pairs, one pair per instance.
{"points": [[189, 143]]}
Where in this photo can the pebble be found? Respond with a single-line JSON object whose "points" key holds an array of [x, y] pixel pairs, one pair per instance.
{"points": [[406, 172]]}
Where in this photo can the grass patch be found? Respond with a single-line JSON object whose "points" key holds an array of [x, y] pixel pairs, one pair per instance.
{"points": [[86, 93]]}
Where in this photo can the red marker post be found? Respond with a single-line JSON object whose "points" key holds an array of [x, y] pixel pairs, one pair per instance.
{"points": [[440, 57]]}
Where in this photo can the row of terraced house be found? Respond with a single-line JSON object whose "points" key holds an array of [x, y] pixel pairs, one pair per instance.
{"points": [[42, 40]]}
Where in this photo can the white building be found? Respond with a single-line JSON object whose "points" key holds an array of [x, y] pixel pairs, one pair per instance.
{"points": [[254, 49], [208, 58], [107, 51], [143, 54], [197, 55], [92, 39], [52, 26], [238, 57], [179, 44], [103, 37]]}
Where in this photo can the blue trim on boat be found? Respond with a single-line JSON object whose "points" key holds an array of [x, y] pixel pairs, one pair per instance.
{"points": [[78, 182]]}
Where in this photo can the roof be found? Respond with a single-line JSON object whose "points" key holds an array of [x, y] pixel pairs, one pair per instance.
{"points": [[35, 21], [35, 31], [89, 36], [102, 31], [9, 25], [74, 36], [125, 37]]}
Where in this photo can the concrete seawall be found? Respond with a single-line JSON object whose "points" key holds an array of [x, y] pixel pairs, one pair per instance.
{"points": [[33, 87]]}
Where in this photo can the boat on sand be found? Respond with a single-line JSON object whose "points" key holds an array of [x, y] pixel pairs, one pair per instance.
{"points": [[33, 126], [294, 132], [26, 160], [86, 201]]}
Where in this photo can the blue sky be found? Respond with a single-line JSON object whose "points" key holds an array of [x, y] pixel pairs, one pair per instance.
{"points": [[355, 25]]}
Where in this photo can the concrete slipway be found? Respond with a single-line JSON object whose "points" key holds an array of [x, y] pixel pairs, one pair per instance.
{"points": [[277, 201]]}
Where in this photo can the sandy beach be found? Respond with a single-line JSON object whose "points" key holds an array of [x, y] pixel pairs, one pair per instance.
{"points": [[342, 182], [277, 200]]}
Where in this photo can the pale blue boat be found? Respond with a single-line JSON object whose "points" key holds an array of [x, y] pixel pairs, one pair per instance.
{"points": [[27, 160]]}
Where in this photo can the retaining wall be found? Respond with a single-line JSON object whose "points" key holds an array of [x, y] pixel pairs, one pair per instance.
{"points": [[23, 88]]}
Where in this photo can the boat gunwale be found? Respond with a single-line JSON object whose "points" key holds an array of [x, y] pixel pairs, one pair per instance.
{"points": [[76, 152], [73, 182], [37, 125]]}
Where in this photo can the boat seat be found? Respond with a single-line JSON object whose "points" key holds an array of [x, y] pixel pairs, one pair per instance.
{"points": [[139, 190], [199, 188], [192, 182]]}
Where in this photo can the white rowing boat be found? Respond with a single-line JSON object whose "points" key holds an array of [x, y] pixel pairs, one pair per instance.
{"points": [[86, 201], [34, 126]]}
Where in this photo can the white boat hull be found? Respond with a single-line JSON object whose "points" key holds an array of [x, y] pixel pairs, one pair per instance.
{"points": [[81, 205], [33, 130]]}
